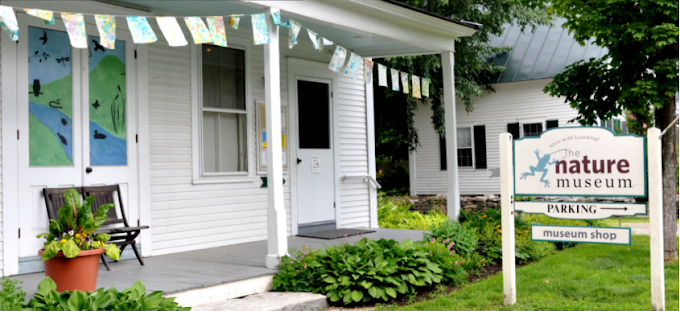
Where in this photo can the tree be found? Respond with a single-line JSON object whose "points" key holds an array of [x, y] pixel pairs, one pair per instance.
{"points": [[639, 75], [472, 68]]}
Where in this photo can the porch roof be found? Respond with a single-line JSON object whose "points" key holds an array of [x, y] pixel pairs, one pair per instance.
{"points": [[370, 28], [185, 271]]}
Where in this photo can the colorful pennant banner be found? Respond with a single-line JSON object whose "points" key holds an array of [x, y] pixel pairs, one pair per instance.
{"points": [[140, 29], [395, 79], [260, 29], [404, 82], [219, 34], [426, 87], [316, 40], [382, 75], [75, 26], [368, 71], [352, 68], [8, 22], [198, 30], [338, 59], [293, 33], [106, 24], [171, 31], [47, 16], [234, 20], [415, 86]]}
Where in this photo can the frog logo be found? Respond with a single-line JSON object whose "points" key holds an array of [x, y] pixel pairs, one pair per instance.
{"points": [[541, 167]]}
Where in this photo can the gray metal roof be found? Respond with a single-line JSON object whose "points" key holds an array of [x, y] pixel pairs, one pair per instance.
{"points": [[540, 54]]}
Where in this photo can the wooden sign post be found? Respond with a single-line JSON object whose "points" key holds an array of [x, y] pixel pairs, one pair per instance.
{"points": [[582, 161]]}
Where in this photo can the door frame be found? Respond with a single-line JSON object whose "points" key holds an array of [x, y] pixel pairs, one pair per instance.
{"points": [[300, 68], [10, 147]]}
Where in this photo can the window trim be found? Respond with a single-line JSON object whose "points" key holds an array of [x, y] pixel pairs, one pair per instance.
{"points": [[532, 121], [472, 146], [197, 118]]}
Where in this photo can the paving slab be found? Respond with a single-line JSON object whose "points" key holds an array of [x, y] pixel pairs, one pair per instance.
{"points": [[270, 301]]}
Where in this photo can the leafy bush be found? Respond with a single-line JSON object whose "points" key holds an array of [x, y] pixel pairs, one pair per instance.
{"points": [[134, 298], [74, 231], [396, 215], [463, 239], [295, 274], [452, 264], [11, 296]]}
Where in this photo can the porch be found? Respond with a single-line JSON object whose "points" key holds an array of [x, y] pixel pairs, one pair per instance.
{"points": [[177, 273]]}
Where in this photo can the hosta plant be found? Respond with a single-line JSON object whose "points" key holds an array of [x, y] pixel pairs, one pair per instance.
{"points": [[74, 231]]}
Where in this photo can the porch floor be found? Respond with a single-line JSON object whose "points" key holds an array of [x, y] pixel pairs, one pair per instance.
{"points": [[207, 267]]}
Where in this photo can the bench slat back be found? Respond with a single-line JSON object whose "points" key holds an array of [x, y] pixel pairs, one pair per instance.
{"points": [[54, 199], [105, 195]]}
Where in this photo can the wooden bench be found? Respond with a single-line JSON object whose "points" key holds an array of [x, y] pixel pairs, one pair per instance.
{"points": [[122, 234]]}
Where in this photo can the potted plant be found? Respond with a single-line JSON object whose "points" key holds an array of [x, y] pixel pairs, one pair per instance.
{"points": [[71, 252]]}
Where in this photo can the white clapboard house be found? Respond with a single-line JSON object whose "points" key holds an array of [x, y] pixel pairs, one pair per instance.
{"points": [[183, 129], [519, 106]]}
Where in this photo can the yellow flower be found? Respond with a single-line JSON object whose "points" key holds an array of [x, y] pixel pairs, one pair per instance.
{"points": [[77, 235], [63, 241], [500, 231], [498, 226], [484, 216]]}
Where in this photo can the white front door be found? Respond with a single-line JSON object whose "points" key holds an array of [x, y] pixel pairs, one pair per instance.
{"points": [[315, 168], [76, 110]]}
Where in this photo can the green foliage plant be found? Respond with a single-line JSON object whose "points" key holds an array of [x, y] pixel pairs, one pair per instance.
{"points": [[296, 272], [134, 298], [461, 238], [395, 214], [74, 231], [11, 296]]}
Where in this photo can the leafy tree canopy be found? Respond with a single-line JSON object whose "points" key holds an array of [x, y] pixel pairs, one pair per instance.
{"points": [[472, 67]]}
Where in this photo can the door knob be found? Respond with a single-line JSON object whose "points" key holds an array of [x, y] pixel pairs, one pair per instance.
{"points": [[298, 160], [88, 170]]}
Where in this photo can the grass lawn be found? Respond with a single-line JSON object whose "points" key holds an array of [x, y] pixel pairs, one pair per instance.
{"points": [[586, 277]]}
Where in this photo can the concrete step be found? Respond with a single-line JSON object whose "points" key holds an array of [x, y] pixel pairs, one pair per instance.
{"points": [[270, 301]]}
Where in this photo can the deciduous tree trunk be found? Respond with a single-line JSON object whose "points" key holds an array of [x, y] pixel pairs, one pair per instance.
{"points": [[669, 159]]}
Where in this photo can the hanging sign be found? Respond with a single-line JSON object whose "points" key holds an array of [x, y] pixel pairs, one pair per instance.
{"points": [[580, 161], [580, 234], [581, 210]]}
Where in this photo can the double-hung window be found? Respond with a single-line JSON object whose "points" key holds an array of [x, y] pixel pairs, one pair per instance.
{"points": [[464, 144], [223, 111], [532, 129]]}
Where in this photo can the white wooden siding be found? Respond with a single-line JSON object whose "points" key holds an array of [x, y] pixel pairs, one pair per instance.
{"points": [[2, 253], [187, 216], [512, 102]]}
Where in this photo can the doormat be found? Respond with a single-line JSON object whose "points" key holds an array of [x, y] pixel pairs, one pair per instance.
{"points": [[335, 234]]}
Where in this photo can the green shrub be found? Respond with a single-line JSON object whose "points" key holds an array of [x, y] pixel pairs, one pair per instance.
{"points": [[295, 274], [452, 264], [462, 238], [396, 215], [134, 298], [11, 296]]}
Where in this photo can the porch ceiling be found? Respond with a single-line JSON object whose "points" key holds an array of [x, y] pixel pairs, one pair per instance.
{"points": [[370, 28]]}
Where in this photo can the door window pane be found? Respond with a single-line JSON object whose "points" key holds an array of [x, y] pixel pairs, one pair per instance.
{"points": [[313, 115], [224, 84], [50, 109], [108, 118]]}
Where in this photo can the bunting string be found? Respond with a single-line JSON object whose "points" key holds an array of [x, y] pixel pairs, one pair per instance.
{"points": [[212, 31]]}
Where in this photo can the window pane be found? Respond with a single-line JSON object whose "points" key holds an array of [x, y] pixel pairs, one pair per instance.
{"points": [[465, 157], [313, 115], [50, 136], [464, 135], [223, 78], [224, 142], [532, 129]]}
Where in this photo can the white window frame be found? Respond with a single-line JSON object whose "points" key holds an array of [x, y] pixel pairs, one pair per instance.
{"points": [[603, 123], [197, 118], [532, 121], [472, 143]]}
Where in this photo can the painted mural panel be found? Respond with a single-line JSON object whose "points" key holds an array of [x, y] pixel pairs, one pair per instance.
{"points": [[50, 98], [108, 124]]}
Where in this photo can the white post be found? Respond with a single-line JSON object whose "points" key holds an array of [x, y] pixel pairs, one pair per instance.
{"points": [[656, 217], [507, 219], [276, 213], [370, 138], [452, 192]]}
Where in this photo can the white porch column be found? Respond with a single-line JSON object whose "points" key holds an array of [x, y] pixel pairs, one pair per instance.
{"points": [[277, 242], [452, 192]]}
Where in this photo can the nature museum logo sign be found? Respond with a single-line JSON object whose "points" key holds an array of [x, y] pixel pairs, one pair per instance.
{"points": [[572, 161]]}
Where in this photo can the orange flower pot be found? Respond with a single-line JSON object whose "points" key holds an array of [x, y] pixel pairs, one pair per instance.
{"points": [[79, 273]]}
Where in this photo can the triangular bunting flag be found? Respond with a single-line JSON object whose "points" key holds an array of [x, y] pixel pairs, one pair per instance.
{"points": [[171, 31], [75, 25], [198, 30], [338, 59], [415, 86], [404, 82], [260, 29], [106, 24], [140, 29], [234, 20], [47, 16], [276, 18], [216, 25], [9, 23], [324, 43], [368, 71], [293, 33], [352, 68], [316, 41], [382, 75]]}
